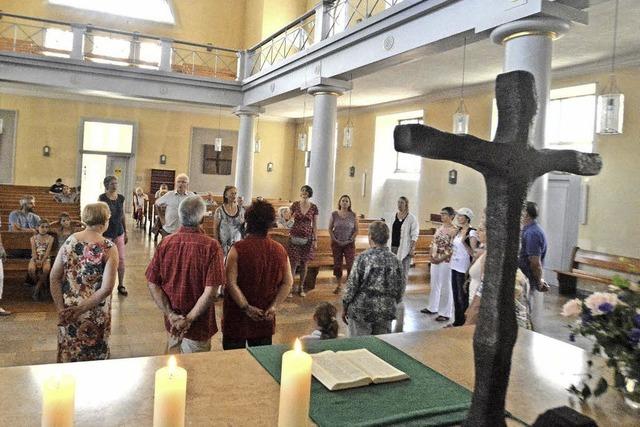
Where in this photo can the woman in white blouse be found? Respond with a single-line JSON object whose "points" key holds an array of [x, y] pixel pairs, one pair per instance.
{"points": [[465, 243], [404, 235]]}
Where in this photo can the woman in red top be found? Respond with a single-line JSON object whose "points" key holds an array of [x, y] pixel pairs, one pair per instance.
{"points": [[303, 234], [258, 280]]}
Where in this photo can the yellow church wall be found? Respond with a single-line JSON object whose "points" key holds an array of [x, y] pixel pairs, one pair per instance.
{"points": [[220, 22], [278, 13], [277, 147], [469, 191], [614, 194], [253, 22], [55, 122]]}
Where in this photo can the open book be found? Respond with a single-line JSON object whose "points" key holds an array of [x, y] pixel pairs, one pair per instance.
{"points": [[354, 368]]}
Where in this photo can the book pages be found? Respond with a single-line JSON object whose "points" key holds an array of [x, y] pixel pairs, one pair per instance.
{"points": [[377, 369], [337, 373]]}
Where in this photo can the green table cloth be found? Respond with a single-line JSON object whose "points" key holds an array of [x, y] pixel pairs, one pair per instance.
{"points": [[426, 399]]}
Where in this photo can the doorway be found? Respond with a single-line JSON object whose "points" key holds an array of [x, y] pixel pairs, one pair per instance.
{"points": [[561, 222], [107, 148]]}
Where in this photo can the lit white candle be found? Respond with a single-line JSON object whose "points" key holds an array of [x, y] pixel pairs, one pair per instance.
{"points": [[170, 395], [58, 401], [295, 388]]}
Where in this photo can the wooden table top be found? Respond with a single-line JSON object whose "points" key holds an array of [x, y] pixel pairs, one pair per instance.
{"points": [[231, 388]]}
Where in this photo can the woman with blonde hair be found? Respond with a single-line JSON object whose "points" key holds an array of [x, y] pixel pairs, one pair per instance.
{"points": [[82, 280]]}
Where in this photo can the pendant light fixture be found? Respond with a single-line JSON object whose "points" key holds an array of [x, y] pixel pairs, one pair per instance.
{"points": [[611, 100], [461, 116], [302, 135], [347, 136], [217, 145], [257, 146]]}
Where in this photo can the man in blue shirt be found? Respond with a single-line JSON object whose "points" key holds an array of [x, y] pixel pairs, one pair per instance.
{"points": [[24, 219], [533, 249]]}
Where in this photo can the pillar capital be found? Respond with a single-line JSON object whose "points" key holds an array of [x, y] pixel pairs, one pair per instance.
{"points": [[246, 110], [324, 86], [549, 26]]}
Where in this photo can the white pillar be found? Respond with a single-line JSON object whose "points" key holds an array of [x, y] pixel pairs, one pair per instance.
{"points": [[322, 20], [528, 46], [244, 161], [323, 147], [165, 54], [241, 65], [77, 49]]}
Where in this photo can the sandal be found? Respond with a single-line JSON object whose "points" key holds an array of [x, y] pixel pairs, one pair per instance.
{"points": [[4, 312], [337, 290], [442, 319], [302, 293], [427, 311], [122, 290]]}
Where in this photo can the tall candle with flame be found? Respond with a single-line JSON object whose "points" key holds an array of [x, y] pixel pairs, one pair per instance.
{"points": [[58, 401], [295, 388], [170, 395]]}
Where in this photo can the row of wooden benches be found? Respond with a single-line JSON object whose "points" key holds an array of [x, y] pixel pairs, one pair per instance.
{"points": [[45, 206]]}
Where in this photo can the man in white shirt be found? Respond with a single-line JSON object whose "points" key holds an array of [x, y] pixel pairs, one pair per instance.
{"points": [[168, 204]]}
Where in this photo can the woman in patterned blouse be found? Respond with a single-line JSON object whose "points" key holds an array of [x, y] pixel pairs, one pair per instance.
{"points": [[374, 288], [82, 280]]}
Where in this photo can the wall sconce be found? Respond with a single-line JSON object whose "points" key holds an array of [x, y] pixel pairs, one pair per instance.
{"points": [[46, 151], [352, 171], [257, 147], [453, 176], [163, 159], [270, 167]]}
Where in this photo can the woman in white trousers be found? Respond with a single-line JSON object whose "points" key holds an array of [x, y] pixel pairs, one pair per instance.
{"points": [[441, 296]]}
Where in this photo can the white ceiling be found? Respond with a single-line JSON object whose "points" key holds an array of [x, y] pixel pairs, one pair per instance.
{"points": [[440, 72]]}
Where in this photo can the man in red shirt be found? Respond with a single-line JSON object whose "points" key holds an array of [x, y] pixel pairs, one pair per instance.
{"points": [[183, 276]]}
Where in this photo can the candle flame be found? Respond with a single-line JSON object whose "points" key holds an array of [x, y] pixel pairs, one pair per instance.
{"points": [[297, 346], [172, 364]]}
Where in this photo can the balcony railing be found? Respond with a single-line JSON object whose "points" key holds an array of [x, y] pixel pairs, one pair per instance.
{"points": [[36, 36], [344, 14], [328, 18], [204, 60], [293, 38]]}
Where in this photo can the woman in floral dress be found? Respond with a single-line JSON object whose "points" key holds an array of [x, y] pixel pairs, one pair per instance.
{"points": [[303, 235], [82, 280], [441, 295]]}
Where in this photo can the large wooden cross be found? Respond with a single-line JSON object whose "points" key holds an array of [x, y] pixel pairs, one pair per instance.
{"points": [[509, 165]]}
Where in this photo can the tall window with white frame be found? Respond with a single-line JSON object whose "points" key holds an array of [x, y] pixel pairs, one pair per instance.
{"points": [[571, 118], [408, 163]]}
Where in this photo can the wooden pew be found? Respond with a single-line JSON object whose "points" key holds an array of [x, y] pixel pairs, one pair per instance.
{"points": [[17, 244], [596, 267], [46, 206], [323, 257]]}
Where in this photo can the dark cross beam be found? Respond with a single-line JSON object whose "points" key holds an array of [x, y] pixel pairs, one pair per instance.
{"points": [[509, 165]]}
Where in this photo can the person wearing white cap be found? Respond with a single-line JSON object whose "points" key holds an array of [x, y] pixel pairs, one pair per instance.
{"points": [[464, 245]]}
